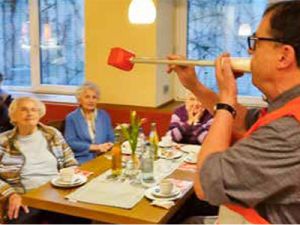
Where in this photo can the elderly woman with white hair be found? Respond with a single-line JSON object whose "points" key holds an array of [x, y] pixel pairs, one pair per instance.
{"points": [[88, 130], [31, 154]]}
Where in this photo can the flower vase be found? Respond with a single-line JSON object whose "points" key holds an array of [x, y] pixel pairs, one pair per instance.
{"points": [[135, 160]]}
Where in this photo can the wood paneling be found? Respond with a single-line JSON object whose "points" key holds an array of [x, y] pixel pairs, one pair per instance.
{"points": [[119, 114]]}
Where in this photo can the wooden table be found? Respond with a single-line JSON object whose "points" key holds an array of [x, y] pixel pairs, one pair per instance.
{"points": [[52, 199]]}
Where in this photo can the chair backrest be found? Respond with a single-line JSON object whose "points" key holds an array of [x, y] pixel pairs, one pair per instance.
{"points": [[58, 124], [228, 216], [3, 210]]}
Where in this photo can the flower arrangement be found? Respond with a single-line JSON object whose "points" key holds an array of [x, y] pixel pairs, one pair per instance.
{"points": [[131, 131]]}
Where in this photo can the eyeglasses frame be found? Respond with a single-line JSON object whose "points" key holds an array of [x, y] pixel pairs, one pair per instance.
{"points": [[253, 37]]}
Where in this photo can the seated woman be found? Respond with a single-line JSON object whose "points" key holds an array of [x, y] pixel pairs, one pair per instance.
{"points": [[31, 154], [189, 125], [190, 122], [88, 130]]}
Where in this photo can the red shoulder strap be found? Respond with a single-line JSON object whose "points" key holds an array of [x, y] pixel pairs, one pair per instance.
{"points": [[248, 213], [292, 108]]}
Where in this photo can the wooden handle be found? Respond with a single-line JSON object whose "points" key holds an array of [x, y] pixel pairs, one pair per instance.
{"points": [[238, 64], [147, 60]]}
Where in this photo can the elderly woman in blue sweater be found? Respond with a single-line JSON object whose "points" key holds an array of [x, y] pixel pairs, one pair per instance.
{"points": [[88, 130]]}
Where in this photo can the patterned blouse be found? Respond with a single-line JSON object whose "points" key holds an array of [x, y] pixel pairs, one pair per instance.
{"points": [[182, 132]]}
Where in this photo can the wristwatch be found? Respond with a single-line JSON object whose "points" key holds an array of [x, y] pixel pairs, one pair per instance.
{"points": [[224, 106]]}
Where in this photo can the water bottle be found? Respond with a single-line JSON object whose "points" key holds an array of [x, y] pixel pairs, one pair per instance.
{"points": [[147, 165], [153, 138], [142, 137], [116, 166]]}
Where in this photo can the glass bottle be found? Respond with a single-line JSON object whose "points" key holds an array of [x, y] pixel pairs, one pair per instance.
{"points": [[147, 165], [141, 140], [116, 166], [153, 138]]}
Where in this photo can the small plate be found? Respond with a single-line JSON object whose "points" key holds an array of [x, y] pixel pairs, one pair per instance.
{"points": [[190, 148], [190, 160], [162, 145], [126, 149], [170, 154], [149, 194], [156, 192], [78, 180]]}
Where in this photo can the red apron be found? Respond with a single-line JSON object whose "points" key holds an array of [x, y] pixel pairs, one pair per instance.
{"points": [[292, 108]]}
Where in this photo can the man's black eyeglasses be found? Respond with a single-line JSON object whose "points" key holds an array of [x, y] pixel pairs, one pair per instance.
{"points": [[253, 39]]}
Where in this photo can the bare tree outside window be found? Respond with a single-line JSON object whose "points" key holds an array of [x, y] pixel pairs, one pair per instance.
{"points": [[62, 42], [216, 26], [60, 33], [15, 42]]}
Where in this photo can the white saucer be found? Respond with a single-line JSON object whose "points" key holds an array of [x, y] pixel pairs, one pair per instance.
{"points": [[190, 160], [78, 180], [163, 145], [190, 148], [156, 192], [126, 149], [149, 194], [174, 155]]}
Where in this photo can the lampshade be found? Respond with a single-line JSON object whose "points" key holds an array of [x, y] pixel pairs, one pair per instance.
{"points": [[245, 30], [142, 12]]}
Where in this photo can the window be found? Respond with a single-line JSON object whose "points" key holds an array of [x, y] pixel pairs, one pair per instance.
{"points": [[42, 44], [14, 57], [216, 26]]}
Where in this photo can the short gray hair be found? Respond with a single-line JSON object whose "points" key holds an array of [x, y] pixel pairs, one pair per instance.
{"points": [[16, 102], [87, 86]]}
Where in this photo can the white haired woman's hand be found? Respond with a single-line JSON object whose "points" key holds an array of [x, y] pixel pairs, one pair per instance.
{"points": [[105, 147], [14, 205], [101, 148]]}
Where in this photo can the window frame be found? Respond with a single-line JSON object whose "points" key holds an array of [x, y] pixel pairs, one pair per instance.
{"points": [[35, 73], [181, 48]]}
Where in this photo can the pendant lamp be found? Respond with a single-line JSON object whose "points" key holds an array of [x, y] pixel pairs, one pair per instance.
{"points": [[142, 12]]}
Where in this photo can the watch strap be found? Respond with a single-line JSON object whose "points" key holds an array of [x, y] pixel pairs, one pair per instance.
{"points": [[227, 107]]}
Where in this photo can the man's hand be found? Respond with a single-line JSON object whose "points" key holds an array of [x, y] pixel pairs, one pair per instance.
{"points": [[14, 205], [226, 80], [186, 74]]}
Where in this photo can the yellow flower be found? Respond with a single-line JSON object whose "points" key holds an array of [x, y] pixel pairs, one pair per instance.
{"points": [[131, 132]]}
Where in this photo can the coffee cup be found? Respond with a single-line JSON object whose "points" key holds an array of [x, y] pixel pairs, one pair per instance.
{"points": [[166, 140], [67, 174], [166, 187]]}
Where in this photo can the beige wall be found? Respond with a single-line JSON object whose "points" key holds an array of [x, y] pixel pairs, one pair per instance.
{"points": [[107, 26]]}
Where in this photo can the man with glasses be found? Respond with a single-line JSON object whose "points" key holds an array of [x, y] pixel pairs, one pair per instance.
{"points": [[261, 170]]}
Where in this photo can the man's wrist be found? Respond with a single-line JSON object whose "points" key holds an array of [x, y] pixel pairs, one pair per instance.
{"points": [[225, 106]]}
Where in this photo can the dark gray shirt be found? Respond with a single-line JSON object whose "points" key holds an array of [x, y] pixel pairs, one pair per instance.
{"points": [[260, 171]]}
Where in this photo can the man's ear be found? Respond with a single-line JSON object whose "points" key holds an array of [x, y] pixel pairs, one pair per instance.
{"points": [[287, 57]]}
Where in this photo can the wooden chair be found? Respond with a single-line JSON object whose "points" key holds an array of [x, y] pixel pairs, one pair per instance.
{"points": [[58, 124], [3, 210], [234, 214]]}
